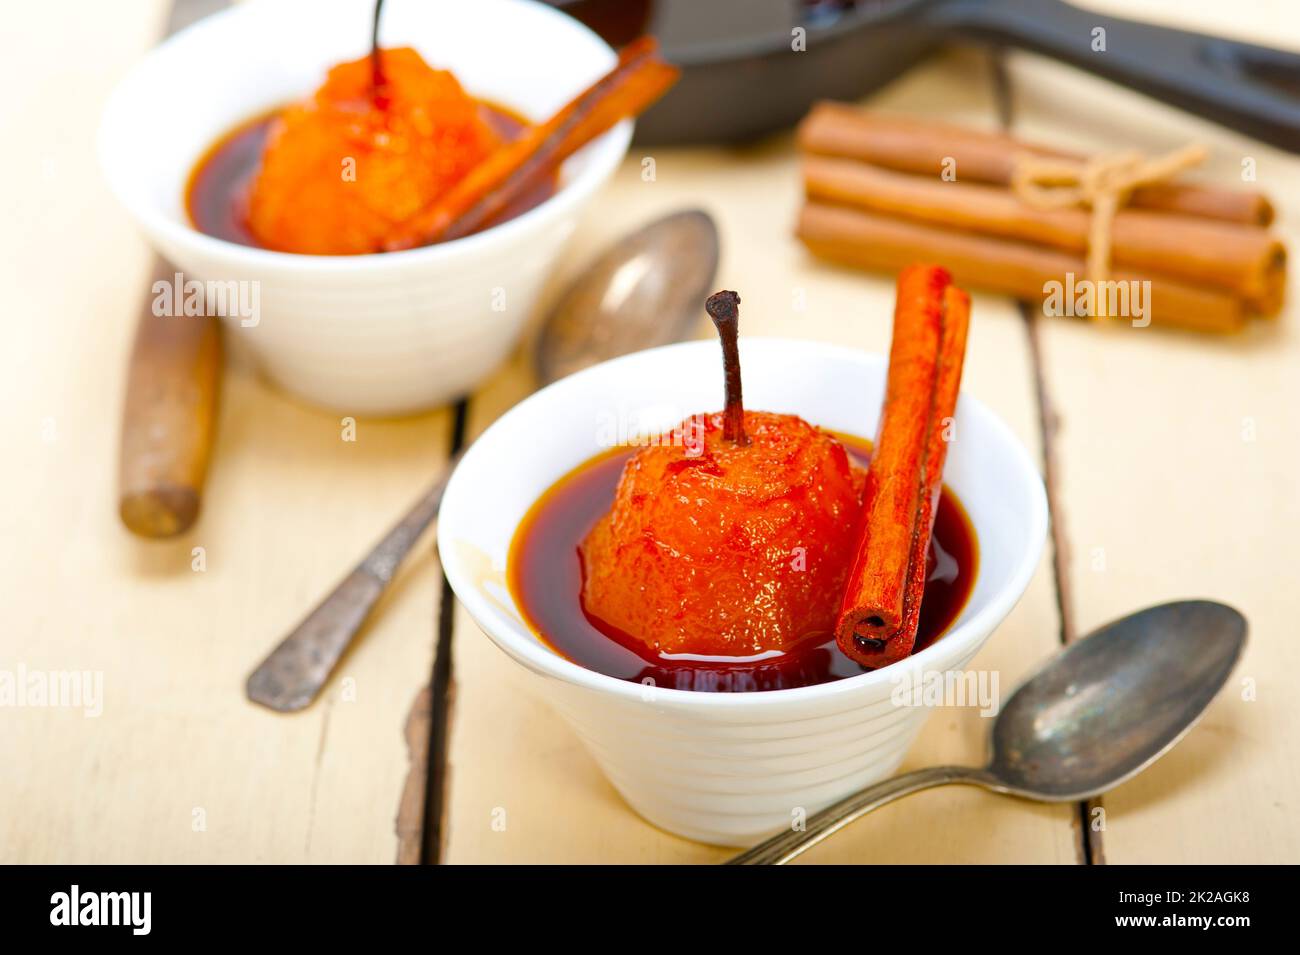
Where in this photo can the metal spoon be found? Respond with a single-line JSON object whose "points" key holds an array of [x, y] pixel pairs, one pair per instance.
{"points": [[1096, 714], [645, 290]]}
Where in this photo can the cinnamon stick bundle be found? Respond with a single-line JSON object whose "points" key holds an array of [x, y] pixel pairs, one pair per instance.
{"points": [[637, 81], [866, 240], [916, 146], [1242, 260], [881, 610]]}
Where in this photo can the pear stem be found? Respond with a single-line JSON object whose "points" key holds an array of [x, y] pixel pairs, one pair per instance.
{"points": [[723, 309], [377, 80]]}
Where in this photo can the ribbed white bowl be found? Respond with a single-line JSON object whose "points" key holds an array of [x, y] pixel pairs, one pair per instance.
{"points": [[370, 334], [717, 767]]}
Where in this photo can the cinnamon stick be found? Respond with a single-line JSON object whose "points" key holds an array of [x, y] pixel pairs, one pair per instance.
{"points": [[1020, 269], [638, 80], [1244, 260], [881, 610], [920, 146]]}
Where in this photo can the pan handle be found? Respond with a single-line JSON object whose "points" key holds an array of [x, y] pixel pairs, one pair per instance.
{"points": [[1253, 89]]}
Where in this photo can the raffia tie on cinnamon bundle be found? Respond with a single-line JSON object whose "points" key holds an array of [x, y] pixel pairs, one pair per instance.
{"points": [[1102, 184], [1022, 215]]}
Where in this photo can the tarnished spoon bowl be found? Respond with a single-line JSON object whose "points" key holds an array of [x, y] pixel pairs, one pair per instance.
{"points": [[1094, 715], [644, 291], [1107, 706]]}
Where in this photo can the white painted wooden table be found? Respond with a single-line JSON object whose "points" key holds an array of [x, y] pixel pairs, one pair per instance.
{"points": [[1175, 463]]}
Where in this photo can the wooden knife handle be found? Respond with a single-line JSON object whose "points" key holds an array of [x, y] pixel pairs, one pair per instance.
{"points": [[169, 418]]}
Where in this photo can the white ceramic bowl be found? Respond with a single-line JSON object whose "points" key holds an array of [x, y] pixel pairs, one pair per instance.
{"points": [[369, 334], [718, 767]]}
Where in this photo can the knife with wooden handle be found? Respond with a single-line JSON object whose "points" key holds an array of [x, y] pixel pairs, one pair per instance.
{"points": [[169, 416], [169, 419]]}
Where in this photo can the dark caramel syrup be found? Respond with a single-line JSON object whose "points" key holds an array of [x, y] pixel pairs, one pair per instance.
{"points": [[544, 574]]}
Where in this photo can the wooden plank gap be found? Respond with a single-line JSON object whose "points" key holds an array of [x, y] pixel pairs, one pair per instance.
{"points": [[441, 703], [1049, 423], [409, 824], [1090, 848]]}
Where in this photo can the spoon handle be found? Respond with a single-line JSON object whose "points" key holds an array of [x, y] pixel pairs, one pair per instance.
{"points": [[294, 672], [784, 846]]}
